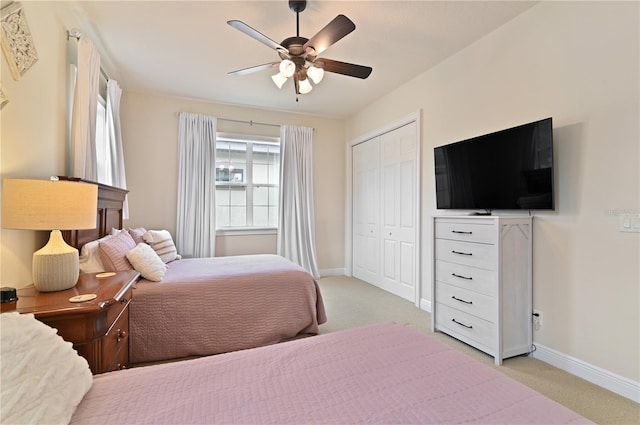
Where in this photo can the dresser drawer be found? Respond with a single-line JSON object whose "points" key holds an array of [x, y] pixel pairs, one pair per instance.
{"points": [[459, 230], [115, 344], [466, 253], [115, 310], [462, 325], [470, 302], [120, 361], [467, 277]]}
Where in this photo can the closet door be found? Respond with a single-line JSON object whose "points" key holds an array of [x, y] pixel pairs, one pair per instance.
{"points": [[398, 221], [366, 208]]}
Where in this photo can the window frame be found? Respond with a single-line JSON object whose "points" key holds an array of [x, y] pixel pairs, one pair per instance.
{"points": [[249, 185]]}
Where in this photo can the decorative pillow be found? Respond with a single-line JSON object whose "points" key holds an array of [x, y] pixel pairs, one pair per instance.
{"points": [[137, 234], [113, 252], [145, 260], [90, 261], [43, 378], [162, 244]]}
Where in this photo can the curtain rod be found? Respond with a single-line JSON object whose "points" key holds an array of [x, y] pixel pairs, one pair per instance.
{"points": [[249, 122], [75, 33]]}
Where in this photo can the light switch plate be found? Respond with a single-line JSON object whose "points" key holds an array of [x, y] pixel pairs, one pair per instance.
{"points": [[629, 223]]}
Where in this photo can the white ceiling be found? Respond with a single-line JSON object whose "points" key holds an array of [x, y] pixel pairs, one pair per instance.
{"points": [[186, 48]]}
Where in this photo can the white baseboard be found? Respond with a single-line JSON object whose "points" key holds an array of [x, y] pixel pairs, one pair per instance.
{"points": [[425, 305], [603, 378], [615, 383], [332, 272]]}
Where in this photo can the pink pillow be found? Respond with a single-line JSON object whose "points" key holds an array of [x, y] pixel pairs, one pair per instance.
{"points": [[137, 234], [113, 252]]}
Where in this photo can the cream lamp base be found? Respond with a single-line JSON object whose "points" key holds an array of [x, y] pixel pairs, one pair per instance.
{"points": [[56, 266]]}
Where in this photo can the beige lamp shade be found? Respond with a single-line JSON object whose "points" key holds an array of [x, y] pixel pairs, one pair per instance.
{"points": [[51, 205], [48, 205]]}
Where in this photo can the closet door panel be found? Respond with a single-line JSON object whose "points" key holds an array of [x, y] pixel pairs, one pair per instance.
{"points": [[385, 221], [366, 205]]}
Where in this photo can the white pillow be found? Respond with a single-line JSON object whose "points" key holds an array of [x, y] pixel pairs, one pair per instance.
{"points": [[162, 244], [145, 260], [90, 260], [43, 378]]}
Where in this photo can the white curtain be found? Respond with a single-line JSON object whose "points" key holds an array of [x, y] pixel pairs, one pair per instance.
{"points": [[114, 137], [196, 226], [85, 103], [296, 227]]}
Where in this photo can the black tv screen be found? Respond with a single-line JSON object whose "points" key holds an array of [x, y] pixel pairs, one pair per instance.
{"points": [[510, 169]]}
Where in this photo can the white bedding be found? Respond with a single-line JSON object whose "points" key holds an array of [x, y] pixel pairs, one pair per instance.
{"points": [[42, 378]]}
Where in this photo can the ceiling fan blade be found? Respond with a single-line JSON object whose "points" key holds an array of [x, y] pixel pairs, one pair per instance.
{"points": [[241, 26], [253, 69], [332, 32], [344, 68]]}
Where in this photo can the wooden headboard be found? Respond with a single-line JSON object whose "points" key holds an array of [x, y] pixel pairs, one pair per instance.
{"points": [[109, 215]]}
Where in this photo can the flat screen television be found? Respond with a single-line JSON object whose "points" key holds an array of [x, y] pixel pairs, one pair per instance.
{"points": [[511, 169]]}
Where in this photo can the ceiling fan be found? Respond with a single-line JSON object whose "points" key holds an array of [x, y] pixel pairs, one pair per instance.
{"points": [[299, 55]]}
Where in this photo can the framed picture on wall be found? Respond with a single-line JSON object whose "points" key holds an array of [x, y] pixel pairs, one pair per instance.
{"points": [[17, 43], [3, 97]]}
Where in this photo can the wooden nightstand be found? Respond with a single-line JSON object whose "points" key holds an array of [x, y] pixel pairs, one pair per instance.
{"points": [[99, 328]]}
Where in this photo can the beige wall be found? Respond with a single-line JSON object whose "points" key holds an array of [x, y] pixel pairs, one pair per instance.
{"points": [[150, 134], [577, 62], [34, 127]]}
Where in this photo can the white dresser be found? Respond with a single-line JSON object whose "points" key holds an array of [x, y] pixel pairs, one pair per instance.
{"points": [[482, 292]]}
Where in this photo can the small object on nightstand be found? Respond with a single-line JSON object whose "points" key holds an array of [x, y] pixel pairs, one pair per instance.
{"points": [[8, 298], [82, 298], [105, 274]]}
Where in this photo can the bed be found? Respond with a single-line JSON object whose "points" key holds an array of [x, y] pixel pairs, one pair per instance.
{"points": [[213, 305], [198, 306], [377, 374]]}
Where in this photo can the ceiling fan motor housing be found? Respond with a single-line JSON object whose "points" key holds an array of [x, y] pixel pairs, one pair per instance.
{"points": [[297, 5], [294, 45]]}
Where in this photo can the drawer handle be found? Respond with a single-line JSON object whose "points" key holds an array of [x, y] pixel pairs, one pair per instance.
{"points": [[462, 324], [121, 334], [461, 300], [462, 253], [461, 277], [461, 232]]}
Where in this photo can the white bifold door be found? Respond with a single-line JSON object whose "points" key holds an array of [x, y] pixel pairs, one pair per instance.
{"points": [[384, 196]]}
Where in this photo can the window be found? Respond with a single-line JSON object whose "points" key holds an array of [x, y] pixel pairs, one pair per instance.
{"points": [[103, 146], [247, 182]]}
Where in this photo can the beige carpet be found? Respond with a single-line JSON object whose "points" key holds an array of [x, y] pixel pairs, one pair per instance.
{"points": [[351, 302]]}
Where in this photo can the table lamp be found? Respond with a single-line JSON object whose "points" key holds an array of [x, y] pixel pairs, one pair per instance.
{"points": [[51, 205]]}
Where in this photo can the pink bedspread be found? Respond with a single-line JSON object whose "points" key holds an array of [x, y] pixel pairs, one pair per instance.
{"points": [[214, 305], [379, 374]]}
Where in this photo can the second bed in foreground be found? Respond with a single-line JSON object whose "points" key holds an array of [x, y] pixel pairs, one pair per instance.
{"points": [[377, 374]]}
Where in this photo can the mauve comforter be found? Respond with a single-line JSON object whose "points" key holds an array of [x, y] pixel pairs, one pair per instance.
{"points": [[379, 374], [214, 305]]}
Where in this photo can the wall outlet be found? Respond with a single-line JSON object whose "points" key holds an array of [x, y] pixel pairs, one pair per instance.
{"points": [[537, 319]]}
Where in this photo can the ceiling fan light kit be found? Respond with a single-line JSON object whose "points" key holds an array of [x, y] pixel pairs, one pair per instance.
{"points": [[299, 55], [315, 74], [279, 80], [305, 86]]}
